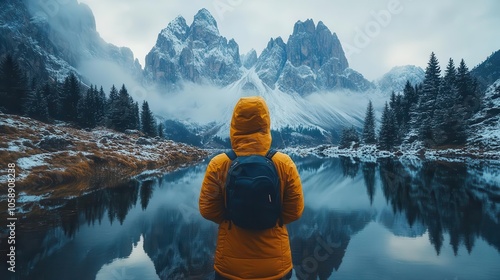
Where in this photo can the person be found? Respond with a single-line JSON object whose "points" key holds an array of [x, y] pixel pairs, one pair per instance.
{"points": [[240, 253]]}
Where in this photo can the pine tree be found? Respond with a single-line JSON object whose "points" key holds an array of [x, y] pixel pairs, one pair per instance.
{"points": [[396, 108], [70, 97], [427, 100], [349, 137], [13, 86], [468, 91], [36, 106], [409, 104], [369, 136], [444, 102], [148, 123], [387, 131], [121, 110], [51, 95], [136, 121], [87, 109], [101, 107], [161, 130]]}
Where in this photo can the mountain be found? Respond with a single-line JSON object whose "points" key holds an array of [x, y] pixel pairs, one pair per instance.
{"points": [[248, 60], [485, 128], [52, 39], [312, 60], [395, 80], [488, 71], [195, 53]]}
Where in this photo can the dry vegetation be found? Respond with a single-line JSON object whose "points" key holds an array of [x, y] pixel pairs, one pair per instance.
{"points": [[60, 161]]}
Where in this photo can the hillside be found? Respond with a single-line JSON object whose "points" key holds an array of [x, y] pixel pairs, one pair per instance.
{"points": [[60, 161]]}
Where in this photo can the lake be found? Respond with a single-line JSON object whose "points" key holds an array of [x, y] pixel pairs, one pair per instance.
{"points": [[394, 219]]}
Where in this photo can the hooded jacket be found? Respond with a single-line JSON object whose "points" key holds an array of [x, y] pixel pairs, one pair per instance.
{"points": [[243, 254]]}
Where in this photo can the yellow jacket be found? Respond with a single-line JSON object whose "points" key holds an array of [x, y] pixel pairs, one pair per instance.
{"points": [[242, 254]]}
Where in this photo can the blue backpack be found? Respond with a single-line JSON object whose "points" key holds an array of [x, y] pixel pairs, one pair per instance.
{"points": [[253, 192]]}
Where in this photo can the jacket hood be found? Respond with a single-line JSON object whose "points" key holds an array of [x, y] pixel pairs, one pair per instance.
{"points": [[250, 130]]}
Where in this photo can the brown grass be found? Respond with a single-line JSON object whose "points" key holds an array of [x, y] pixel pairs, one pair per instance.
{"points": [[85, 165]]}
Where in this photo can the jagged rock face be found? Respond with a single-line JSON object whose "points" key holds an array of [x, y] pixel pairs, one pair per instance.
{"points": [[195, 53], [52, 42], [271, 62], [248, 60], [314, 47], [311, 60]]}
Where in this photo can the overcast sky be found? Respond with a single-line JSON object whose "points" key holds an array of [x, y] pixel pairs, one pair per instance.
{"points": [[375, 34]]}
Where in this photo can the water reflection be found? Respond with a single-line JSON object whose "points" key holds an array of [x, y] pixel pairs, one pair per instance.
{"points": [[157, 222]]}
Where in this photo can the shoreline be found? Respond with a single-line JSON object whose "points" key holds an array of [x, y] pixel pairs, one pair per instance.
{"points": [[56, 161], [370, 153]]}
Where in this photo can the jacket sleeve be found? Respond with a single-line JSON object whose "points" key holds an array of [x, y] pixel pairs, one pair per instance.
{"points": [[293, 197], [211, 201]]}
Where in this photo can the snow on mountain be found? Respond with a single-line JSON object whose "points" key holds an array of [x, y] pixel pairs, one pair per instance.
{"points": [[395, 80], [485, 128], [207, 110], [312, 60], [50, 44], [196, 53], [248, 60]]}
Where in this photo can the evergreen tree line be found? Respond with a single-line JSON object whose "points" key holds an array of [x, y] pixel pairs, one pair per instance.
{"points": [[437, 112], [69, 101]]}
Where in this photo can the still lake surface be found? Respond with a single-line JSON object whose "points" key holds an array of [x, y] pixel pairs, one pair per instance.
{"points": [[392, 219]]}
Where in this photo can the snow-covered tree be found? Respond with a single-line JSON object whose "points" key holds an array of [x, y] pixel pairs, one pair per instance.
{"points": [[427, 99], [468, 90]]}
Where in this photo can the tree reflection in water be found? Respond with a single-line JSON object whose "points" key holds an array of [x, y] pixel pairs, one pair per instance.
{"points": [[440, 198]]}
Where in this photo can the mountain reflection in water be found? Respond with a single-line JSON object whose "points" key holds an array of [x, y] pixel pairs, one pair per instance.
{"points": [[391, 219]]}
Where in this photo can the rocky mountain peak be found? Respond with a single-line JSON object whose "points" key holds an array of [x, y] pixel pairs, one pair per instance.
{"points": [[311, 60], [204, 17], [304, 27], [249, 59], [195, 53], [314, 46], [204, 27], [177, 28]]}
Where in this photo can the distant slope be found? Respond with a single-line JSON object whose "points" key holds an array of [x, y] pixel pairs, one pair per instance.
{"points": [[488, 71], [395, 79]]}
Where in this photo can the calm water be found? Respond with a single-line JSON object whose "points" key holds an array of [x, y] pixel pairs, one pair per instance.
{"points": [[385, 220]]}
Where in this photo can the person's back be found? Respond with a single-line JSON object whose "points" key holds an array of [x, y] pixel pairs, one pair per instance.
{"points": [[250, 254]]}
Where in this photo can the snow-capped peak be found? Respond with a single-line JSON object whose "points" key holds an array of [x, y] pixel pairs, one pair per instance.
{"points": [[395, 80]]}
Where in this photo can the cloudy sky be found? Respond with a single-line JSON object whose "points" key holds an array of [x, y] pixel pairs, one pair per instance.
{"points": [[376, 34]]}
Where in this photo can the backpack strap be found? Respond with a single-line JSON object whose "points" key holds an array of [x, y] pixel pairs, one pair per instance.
{"points": [[271, 153], [231, 155]]}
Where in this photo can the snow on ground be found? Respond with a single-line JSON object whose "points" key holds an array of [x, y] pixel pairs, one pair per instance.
{"points": [[41, 151], [28, 163]]}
